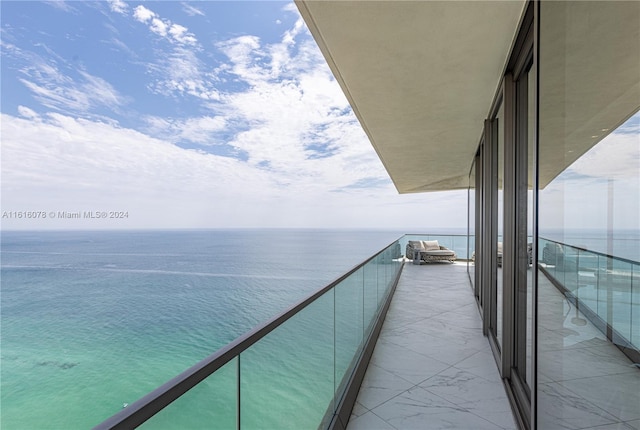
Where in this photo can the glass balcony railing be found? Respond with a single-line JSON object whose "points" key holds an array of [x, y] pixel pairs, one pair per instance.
{"points": [[606, 288], [294, 371]]}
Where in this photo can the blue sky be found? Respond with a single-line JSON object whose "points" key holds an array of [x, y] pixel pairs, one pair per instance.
{"points": [[214, 114], [187, 114]]}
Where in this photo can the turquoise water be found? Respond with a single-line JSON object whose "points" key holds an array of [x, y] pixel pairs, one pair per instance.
{"points": [[93, 320]]}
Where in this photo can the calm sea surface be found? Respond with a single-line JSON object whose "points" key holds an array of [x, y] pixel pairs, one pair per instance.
{"points": [[93, 320]]}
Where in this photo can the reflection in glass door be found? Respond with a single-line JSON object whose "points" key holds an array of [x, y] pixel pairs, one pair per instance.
{"points": [[497, 206], [520, 204], [524, 276], [471, 227]]}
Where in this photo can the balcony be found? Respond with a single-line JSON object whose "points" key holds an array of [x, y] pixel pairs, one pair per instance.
{"points": [[391, 345], [431, 363]]}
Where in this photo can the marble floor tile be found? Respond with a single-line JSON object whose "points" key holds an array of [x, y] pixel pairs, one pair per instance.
{"points": [[358, 409], [451, 353], [479, 396], [433, 324], [615, 426], [369, 421], [635, 424], [420, 409], [559, 408], [621, 398], [481, 364], [380, 385], [405, 363]]}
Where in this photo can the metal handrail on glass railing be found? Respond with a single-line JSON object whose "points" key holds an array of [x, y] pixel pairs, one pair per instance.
{"points": [[605, 288], [333, 330]]}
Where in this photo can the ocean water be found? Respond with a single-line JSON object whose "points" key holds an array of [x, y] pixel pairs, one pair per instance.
{"points": [[93, 320]]}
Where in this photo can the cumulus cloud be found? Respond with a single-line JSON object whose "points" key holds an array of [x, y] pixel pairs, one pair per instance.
{"points": [[300, 127], [143, 14]]}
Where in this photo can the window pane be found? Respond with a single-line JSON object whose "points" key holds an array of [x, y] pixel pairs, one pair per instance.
{"points": [[498, 238], [589, 174]]}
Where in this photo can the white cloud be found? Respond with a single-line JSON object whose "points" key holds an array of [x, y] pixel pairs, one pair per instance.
{"points": [[290, 35], [191, 10], [244, 53], [291, 7], [180, 34], [60, 4], [292, 152], [65, 164], [299, 125], [118, 6], [123, 47], [174, 33], [54, 89], [25, 112], [158, 27], [202, 130], [181, 72], [57, 85], [143, 14]]}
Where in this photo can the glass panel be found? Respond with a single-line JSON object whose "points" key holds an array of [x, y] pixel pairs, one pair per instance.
{"points": [[287, 378], [602, 289], [619, 280], [471, 226], [370, 295], [635, 306], [589, 183], [382, 277], [349, 326], [213, 403], [480, 239], [498, 239], [531, 109], [294, 376]]}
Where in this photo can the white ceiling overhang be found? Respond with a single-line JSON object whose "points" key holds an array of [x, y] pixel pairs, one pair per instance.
{"points": [[420, 76]]}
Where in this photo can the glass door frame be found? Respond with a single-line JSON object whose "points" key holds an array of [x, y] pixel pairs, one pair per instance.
{"points": [[509, 340], [489, 263], [515, 261]]}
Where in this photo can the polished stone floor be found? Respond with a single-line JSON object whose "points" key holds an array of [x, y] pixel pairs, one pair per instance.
{"points": [[432, 368]]}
